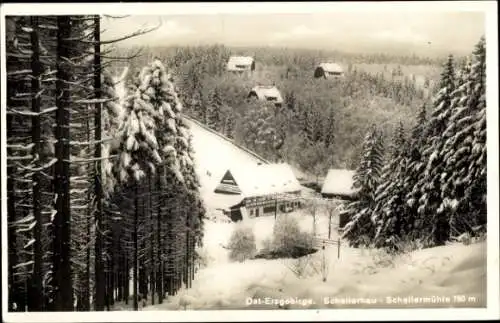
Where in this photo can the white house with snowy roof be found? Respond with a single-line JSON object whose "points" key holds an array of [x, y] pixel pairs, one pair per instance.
{"points": [[241, 64], [339, 184], [329, 70], [268, 93], [260, 190]]}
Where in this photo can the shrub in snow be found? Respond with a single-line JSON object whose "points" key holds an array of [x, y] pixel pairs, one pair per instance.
{"points": [[242, 244], [288, 238]]}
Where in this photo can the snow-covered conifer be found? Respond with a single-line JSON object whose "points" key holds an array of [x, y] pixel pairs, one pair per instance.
{"points": [[464, 153], [428, 185], [360, 228], [214, 111], [112, 114], [390, 215]]}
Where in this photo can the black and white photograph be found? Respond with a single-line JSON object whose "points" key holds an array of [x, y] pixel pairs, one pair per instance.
{"points": [[236, 161]]}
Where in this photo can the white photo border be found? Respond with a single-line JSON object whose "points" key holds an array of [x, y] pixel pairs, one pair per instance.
{"points": [[490, 10]]}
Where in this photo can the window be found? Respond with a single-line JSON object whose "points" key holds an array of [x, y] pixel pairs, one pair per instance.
{"points": [[269, 209], [251, 212], [256, 212]]}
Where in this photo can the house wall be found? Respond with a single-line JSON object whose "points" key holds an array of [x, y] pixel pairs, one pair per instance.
{"points": [[269, 205], [319, 72]]}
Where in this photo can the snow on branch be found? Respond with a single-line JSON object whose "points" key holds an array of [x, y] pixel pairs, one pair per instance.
{"points": [[15, 158], [21, 147], [21, 72], [132, 35], [94, 101], [89, 160], [24, 264], [86, 143], [30, 113], [45, 166], [116, 17]]}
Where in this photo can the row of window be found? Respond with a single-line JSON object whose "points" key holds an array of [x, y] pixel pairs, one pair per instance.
{"points": [[283, 207]]}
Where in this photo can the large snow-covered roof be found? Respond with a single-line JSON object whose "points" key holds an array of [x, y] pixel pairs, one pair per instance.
{"points": [[214, 154], [239, 63], [267, 92], [264, 179], [339, 182], [331, 67]]}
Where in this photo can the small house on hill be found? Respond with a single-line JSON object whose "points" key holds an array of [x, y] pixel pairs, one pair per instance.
{"points": [[266, 93], [328, 70], [262, 189], [241, 64], [339, 184]]}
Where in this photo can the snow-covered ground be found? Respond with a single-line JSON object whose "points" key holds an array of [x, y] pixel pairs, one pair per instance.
{"points": [[440, 276]]}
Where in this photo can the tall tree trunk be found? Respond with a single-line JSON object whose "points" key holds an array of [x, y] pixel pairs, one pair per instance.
{"points": [[136, 247], [120, 279], [126, 279], [100, 278], [152, 240], [62, 277], [13, 285], [37, 278], [85, 301], [187, 252], [142, 267], [111, 280], [159, 245]]}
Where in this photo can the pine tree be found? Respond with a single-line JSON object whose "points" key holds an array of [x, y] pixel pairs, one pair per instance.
{"points": [[464, 154], [329, 128], [214, 111], [229, 125], [63, 294], [112, 114], [429, 182], [415, 167], [140, 152], [360, 228], [390, 215]]}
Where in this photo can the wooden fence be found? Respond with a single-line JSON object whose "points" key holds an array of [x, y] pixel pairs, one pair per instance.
{"points": [[323, 242]]}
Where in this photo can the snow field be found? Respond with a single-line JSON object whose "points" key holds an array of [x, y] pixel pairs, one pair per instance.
{"points": [[451, 270]]}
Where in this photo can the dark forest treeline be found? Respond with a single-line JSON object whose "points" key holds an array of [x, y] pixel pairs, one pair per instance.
{"points": [[321, 122], [101, 185], [296, 56], [431, 186]]}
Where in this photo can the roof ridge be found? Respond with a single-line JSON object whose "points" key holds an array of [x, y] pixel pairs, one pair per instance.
{"points": [[225, 138]]}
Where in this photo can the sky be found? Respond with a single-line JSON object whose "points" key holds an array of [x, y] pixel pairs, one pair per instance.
{"points": [[420, 32]]}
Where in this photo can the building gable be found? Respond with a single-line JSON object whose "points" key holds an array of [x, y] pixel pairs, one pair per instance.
{"points": [[228, 185]]}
